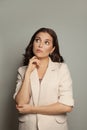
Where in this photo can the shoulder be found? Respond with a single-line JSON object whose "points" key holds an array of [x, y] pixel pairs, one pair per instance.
{"points": [[65, 72], [61, 65], [64, 66], [22, 69]]}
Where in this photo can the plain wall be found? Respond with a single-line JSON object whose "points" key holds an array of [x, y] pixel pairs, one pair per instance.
{"points": [[19, 19]]}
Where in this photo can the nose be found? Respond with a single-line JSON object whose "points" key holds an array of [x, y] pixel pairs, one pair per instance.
{"points": [[41, 44]]}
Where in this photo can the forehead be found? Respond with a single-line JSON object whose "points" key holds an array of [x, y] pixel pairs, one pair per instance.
{"points": [[44, 35]]}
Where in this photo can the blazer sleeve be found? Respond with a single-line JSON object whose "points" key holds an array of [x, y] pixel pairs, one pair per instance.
{"points": [[65, 87], [20, 76]]}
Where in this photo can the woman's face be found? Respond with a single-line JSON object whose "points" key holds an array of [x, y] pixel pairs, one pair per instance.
{"points": [[43, 45]]}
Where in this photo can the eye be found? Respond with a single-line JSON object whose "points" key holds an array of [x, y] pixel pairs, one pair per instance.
{"points": [[37, 40], [47, 42]]}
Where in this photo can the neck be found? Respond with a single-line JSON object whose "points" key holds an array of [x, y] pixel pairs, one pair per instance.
{"points": [[44, 62]]}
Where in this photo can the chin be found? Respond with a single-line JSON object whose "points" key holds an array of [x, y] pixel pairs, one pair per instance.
{"points": [[39, 56]]}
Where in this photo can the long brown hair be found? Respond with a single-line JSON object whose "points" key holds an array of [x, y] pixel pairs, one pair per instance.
{"points": [[55, 56]]}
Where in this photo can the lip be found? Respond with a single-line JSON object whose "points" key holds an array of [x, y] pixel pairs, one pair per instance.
{"points": [[38, 50]]}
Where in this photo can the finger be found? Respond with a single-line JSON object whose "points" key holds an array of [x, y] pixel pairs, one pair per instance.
{"points": [[20, 110], [16, 106], [34, 57], [36, 61], [19, 106]]}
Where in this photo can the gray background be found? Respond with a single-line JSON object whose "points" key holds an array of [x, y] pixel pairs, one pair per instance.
{"points": [[19, 19]]}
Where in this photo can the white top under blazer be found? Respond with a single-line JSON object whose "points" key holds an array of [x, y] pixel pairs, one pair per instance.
{"points": [[56, 86]]}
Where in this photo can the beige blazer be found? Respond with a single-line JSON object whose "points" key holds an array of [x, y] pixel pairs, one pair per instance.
{"points": [[56, 86]]}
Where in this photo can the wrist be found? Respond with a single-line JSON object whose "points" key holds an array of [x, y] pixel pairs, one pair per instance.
{"points": [[33, 109], [28, 72]]}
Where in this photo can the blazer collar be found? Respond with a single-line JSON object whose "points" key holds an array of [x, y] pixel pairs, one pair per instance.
{"points": [[51, 65]]}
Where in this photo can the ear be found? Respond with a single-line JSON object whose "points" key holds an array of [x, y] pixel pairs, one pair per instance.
{"points": [[52, 50]]}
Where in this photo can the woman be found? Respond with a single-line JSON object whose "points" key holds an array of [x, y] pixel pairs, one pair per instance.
{"points": [[44, 86]]}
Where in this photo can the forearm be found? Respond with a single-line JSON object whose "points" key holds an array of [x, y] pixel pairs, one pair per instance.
{"points": [[53, 109], [24, 93]]}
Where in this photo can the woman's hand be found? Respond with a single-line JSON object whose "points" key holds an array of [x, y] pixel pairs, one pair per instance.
{"points": [[51, 109], [33, 63], [24, 109]]}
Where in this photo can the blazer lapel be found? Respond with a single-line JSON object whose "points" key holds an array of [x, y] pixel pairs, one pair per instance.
{"points": [[34, 86], [51, 67]]}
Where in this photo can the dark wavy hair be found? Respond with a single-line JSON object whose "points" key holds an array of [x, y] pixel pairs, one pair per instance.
{"points": [[55, 56]]}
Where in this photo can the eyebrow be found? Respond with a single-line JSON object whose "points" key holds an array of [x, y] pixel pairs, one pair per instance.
{"points": [[37, 37], [40, 38]]}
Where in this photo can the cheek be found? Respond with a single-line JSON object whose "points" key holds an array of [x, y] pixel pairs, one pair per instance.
{"points": [[48, 50], [34, 46]]}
